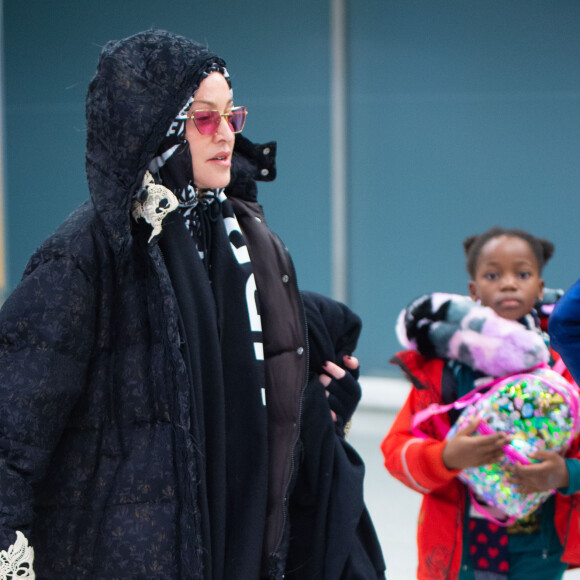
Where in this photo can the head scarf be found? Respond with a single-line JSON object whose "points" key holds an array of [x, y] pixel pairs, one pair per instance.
{"points": [[172, 164], [173, 168]]}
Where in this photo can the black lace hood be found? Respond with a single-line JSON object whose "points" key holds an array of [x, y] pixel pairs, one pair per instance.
{"points": [[141, 83]]}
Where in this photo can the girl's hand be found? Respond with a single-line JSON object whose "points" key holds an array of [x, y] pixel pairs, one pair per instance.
{"points": [[463, 450], [342, 388], [550, 473]]}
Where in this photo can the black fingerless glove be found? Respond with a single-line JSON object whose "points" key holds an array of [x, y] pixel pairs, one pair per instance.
{"points": [[344, 396]]}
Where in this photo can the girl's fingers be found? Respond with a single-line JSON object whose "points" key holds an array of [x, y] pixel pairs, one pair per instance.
{"points": [[470, 428]]}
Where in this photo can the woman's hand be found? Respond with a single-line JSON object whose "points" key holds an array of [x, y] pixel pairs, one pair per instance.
{"points": [[464, 450], [342, 388], [550, 473]]}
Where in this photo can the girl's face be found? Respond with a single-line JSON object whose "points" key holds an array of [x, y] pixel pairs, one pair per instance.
{"points": [[211, 155], [507, 277]]}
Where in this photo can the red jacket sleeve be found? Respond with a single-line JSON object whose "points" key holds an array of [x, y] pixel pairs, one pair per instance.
{"points": [[415, 461]]}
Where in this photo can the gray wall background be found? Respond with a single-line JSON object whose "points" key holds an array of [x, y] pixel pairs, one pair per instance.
{"points": [[462, 114]]}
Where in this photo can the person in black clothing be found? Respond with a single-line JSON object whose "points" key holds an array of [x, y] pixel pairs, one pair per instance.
{"points": [[154, 357]]}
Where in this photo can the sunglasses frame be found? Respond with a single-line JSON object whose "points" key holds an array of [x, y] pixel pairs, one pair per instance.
{"points": [[226, 116]]}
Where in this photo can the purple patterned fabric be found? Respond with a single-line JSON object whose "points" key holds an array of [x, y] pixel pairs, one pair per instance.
{"points": [[455, 327]]}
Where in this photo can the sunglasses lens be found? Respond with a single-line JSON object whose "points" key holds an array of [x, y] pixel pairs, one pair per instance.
{"points": [[237, 119], [207, 122]]}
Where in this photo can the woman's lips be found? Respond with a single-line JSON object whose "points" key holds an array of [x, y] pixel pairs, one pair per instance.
{"points": [[223, 159]]}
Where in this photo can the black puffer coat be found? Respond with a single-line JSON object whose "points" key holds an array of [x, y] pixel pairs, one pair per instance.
{"points": [[99, 457]]}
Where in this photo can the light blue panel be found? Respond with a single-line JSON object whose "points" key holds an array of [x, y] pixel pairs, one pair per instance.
{"points": [[464, 115], [277, 53]]}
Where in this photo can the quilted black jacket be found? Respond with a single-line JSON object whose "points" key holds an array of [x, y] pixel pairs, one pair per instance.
{"points": [[99, 460]]}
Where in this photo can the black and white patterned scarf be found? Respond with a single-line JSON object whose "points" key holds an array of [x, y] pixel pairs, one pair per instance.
{"points": [[234, 414]]}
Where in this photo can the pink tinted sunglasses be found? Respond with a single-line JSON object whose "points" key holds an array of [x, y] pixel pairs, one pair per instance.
{"points": [[208, 122]]}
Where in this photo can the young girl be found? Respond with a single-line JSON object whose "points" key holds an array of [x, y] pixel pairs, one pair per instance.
{"points": [[454, 343]]}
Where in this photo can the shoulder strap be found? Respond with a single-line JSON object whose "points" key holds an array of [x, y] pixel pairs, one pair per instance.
{"points": [[434, 410]]}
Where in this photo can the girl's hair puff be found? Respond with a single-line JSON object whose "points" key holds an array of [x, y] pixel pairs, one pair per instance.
{"points": [[543, 249]]}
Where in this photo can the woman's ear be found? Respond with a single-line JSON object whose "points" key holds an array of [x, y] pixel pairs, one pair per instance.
{"points": [[472, 286]]}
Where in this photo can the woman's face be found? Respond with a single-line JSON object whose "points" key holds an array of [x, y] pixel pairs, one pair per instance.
{"points": [[211, 155]]}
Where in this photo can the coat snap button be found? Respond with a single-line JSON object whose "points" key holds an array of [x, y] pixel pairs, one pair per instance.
{"points": [[266, 150], [300, 350], [264, 172], [285, 278]]}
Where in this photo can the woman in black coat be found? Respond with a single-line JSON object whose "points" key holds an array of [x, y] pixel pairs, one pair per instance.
{"points": [[153, 358]]}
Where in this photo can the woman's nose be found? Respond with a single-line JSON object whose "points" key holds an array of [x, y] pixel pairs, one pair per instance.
{"points": [[224, 130]]}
